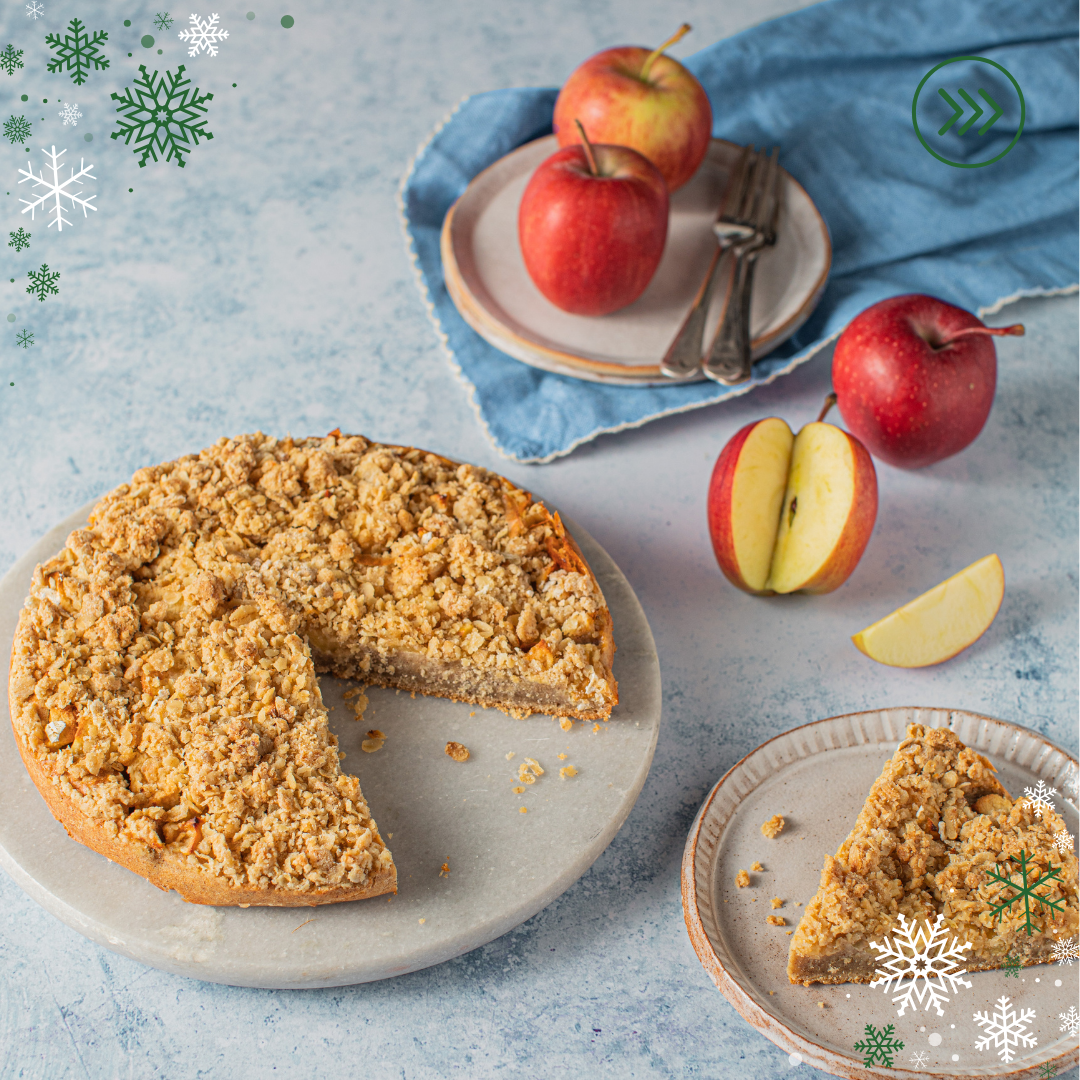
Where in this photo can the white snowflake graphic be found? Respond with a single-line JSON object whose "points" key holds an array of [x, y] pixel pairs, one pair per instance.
{"points": [[57, 190], [1070, 1021], [1039, 798], [34, 11], [1063, 841], [70, 115], [1066, 951], [919, 1058], [933, 963], [202, 35], [1005, 1029]]}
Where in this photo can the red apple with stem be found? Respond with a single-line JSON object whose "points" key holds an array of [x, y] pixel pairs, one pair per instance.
{"points": [[632, 97], [592, 226], [915, 378]]}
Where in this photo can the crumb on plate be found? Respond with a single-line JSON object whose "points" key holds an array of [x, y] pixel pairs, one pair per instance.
{"points": [[776, 920], [456, 751], [773, 827], [742, 879]]}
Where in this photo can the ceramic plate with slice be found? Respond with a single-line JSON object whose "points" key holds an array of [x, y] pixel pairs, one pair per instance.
{"points": [[471, 864], [486, 277], [817, 776]]}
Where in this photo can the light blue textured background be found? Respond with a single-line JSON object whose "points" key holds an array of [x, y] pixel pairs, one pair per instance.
{"points": [[266, 285]]}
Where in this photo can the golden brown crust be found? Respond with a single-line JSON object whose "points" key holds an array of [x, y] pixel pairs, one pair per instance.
{"points": [[163, 689], [934, 824]]}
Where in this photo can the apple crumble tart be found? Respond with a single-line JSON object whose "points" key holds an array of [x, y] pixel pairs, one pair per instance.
{"points": [[163, 683], [939, 835]]}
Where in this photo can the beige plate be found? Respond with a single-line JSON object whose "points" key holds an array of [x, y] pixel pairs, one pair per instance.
{"points": [[487, 280], [504, 865], [817, 776]]}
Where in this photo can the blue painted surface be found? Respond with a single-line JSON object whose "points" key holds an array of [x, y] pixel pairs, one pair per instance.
{"points": [[266, 285]]}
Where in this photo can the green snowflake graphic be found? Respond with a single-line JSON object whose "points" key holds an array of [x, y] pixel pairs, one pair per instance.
{"points": [[77, 51], [878, 1044], [1047, 1071], [162, 116], [1012, 966], [19, 239], [17, 129], [43, 283], [9, 59], [25, 339], [1027, 890], [163, 20]]}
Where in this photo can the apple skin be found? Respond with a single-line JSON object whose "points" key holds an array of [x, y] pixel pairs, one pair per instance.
{"points": [[839, 563], [592, 243], [667, 117], [910, 403]]}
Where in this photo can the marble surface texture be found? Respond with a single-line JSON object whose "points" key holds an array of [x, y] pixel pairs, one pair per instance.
{"points": [[266, 285]]}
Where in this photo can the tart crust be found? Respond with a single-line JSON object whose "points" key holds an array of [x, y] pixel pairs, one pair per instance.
{"points": [[163, 684], [934, 822]]}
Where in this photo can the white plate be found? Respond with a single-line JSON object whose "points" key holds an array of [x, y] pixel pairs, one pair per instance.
{"points": [[486, 277], [817, 776], [504, 865]]}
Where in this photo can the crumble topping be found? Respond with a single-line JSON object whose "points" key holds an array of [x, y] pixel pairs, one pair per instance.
{"points": [[457, 751], [163, 674], [773, 827]]}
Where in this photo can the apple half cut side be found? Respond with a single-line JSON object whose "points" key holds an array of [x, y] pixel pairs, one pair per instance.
{"points": [[791, 513], [939, 624]]}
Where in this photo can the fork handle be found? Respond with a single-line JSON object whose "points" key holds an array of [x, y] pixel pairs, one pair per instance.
{"points": [[683, 358], [729, 359]]}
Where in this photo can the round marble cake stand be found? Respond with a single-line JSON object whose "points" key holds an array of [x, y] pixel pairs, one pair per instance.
{"points": [[503, 865]]}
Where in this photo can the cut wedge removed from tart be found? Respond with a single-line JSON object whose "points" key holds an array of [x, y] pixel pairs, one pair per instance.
{"points": [[939, 835]]}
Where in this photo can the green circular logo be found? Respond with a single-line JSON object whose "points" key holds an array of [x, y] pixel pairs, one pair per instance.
{"points": [[979, 111]]}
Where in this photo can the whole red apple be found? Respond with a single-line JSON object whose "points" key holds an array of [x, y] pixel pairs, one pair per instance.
{"points": [[645, 100], [592, 225], [915, 377]]}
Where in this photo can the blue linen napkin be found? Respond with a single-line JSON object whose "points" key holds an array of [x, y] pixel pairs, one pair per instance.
{"points": [[833, 86]]}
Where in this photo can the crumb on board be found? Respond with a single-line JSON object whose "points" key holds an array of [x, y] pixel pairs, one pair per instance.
{"points": [[566, 772], [444, 870], [523, 809], [757, 868], [776, 920], [529, 770], [510, 755], [374, 741], [566, 723], [295, 928], [472, 714], [563, 757], [456, 751], [773, 827], [742, 879], [776, 902], [772, 993], [517, 790], [789, 932], [595, 728], [422, 921]]}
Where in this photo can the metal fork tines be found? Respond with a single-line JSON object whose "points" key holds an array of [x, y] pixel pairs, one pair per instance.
{"points": [[729, 360], [683, 358]]}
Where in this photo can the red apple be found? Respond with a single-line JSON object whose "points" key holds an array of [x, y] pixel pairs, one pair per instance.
{"points": [[791, 513], [914, 378], [645, 100], [592, 225]]}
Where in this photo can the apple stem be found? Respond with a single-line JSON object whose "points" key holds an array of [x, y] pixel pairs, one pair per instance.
{"points": [[589, 155], [830, 401], [1016, 330], [651, 58]]}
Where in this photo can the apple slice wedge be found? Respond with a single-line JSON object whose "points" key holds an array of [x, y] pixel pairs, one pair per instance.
{"points": [[942, 622]]}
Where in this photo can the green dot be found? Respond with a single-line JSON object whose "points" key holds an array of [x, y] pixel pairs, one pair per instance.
{"points": [[251, 15], [44, 101], [287, 21], [131, 189], [234, 84], [25, 98], [88, 137], [129, 54], [11, 318], [11, 384], [159, 52], [12, 281], [127, 22], [147, 42]]}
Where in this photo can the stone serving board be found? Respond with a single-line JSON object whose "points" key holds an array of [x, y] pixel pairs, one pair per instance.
{"points": [[817, 776], [504, 865]]}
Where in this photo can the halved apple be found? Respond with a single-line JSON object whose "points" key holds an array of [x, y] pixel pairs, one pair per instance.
{"points": [[942, 622], [791, 513]]}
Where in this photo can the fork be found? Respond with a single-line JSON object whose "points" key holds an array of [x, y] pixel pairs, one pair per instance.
{"points": [[729, 360], [683, 357]]}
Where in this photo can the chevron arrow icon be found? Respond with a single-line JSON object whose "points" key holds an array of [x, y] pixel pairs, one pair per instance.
{"points": [[958, 111]]}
